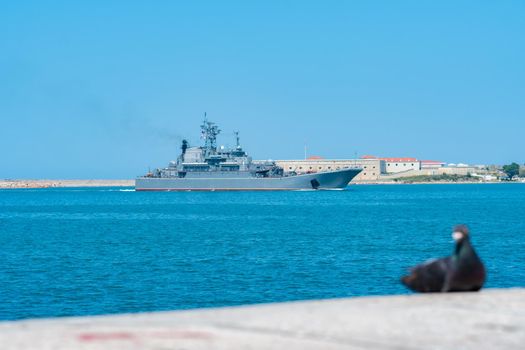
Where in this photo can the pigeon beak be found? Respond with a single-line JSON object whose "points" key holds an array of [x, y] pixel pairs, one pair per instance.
{"points": [[457, 236]]}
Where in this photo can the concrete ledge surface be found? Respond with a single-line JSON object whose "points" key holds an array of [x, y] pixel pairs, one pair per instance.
{"points": [[491, 319]]}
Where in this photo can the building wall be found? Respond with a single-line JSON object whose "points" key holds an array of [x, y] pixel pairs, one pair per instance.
{"points": [[431, 165], [396, 166], [372, 168], [456, 170], [436, 171]]}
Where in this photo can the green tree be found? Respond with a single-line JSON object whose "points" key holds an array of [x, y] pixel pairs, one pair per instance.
{"points": [[511, 169]]}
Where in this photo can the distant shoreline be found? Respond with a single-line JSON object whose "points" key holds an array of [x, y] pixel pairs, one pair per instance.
{"points": [[20, 184], [28, 183]]}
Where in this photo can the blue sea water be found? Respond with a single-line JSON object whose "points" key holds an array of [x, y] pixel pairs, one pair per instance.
{"points": [[98, 251]]}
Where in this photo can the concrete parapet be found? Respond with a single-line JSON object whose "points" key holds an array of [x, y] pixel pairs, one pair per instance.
{"points": [[491, 319]]}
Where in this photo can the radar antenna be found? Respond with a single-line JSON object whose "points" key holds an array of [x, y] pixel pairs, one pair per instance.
{"points": [[209, 132], [238, 145]]}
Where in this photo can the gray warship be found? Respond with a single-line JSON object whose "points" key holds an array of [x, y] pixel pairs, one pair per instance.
{"points": [[208, 168]]}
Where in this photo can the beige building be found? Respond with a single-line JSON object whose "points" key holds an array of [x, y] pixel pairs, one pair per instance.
{"points": [[372, 168], [431, 164], [434, 171], [448, 170], [397, 165], [377, 169]]}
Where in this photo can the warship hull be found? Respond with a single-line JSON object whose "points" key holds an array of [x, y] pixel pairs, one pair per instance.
{"points": [[239, 181]]}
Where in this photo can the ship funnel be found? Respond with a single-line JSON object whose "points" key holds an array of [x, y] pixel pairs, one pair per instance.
{"points": [[184, 146]]}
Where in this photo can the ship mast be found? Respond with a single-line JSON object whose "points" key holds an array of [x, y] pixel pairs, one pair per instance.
{"points": [[209, 132], [238, 145]]}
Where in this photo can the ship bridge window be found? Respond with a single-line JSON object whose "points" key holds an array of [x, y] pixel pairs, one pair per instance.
{"points": [[195, 168], [229, 168]]}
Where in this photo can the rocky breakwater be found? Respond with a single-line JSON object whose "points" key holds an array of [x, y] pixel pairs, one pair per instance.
{"points": [[17, 184]]}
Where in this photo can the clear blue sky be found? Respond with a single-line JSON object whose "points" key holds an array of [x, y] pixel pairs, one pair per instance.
{"points": [[104, 89]]}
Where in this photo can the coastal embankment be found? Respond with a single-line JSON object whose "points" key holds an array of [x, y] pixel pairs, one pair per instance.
{"points": [[490, 319], [64, 183]]}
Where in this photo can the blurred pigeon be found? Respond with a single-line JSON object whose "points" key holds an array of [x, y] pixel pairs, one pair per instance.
{"points": [[461, 272]]}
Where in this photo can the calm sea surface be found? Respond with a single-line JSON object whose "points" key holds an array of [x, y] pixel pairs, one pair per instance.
{"points": [[96, 251]]}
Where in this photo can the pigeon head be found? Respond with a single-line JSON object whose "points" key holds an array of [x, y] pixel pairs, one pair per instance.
{"points": [[460, 233]]}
